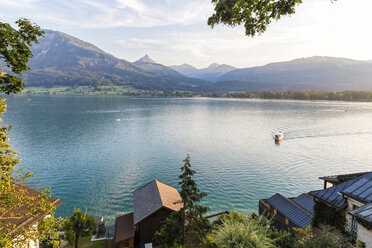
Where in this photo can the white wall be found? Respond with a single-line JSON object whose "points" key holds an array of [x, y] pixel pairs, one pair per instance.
{"points": [[365, 235]]}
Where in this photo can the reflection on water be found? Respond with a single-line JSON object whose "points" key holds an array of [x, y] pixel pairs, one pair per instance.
{"points": [[75, 145]]}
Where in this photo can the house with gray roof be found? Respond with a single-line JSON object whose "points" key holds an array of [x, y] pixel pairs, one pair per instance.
{"points": [[152, 204], [353, 196], [288, 213]]}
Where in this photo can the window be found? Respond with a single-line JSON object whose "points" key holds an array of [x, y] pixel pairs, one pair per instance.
{"points": [[286, 221], [275, 212]]}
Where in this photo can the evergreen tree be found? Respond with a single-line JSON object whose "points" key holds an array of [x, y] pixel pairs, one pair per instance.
{"points": [[187, 227], [194, 225], [79, 225]]}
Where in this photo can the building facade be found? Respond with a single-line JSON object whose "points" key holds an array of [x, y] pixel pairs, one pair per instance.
{"points": [[354, 198]]}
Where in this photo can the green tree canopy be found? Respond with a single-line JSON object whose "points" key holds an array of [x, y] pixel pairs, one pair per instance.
{"points": [[79, 225], [15, 52], [255, 15], [14, 196]]}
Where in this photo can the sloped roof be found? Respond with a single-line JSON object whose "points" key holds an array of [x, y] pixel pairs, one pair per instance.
{"points": [[363, 213], [293, 212], [343, 177], [124, 227], [333, 195], [153, 196], [25, 220], [360, 190], [305, 201]]}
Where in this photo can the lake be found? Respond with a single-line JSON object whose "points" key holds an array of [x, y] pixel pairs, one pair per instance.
{"points": [[74, 145]]}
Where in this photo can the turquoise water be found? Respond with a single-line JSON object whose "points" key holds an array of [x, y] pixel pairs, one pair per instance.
{"points": [[74, 145]]}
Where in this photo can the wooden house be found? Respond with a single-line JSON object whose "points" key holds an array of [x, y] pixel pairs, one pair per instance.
{"points": [[124, 231], [288, 213], [152, 204]]}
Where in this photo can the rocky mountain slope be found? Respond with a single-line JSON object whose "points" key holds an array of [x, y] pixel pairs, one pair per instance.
{"points": [[61, 59]]}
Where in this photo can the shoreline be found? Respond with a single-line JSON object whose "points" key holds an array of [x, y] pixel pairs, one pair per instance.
{"points": [[329, 96]]}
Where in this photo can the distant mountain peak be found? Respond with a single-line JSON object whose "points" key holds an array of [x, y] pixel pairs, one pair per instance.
{"points": [[145, 59], [213, 65]]}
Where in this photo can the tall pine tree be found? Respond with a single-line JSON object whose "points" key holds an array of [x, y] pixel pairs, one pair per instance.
{"points": [[187, 227]]}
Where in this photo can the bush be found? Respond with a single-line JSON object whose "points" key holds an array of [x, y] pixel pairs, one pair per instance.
{"points": [[321, 237], [323, 214], [238, 230]]}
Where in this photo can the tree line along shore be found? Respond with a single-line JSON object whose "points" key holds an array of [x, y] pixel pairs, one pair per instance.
{"points": [[351, 96]]}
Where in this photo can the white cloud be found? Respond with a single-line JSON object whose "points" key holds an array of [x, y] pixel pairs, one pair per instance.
{"points": [[175, 31]]}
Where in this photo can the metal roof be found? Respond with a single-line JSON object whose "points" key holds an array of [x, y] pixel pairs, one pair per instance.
{"points": [[350, 188], [363, 213], [153, 196], [305, 201], [343, 177], [360, 190], [293, 212]]}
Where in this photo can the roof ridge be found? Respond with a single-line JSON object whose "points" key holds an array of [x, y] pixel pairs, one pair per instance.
{"points": [[164, 183], [157, 187], [307, 212], [144, 185], [296, 205]]}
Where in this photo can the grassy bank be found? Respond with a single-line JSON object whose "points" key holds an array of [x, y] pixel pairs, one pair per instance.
{"points": [[87, 90]]}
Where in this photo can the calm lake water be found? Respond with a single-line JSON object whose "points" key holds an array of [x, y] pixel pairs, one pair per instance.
{"points": [[74, 145]]}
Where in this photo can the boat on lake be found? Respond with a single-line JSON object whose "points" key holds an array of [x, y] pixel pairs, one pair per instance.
{"points": [[278, 138]]}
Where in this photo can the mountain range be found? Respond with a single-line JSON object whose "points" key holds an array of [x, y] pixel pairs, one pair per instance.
{"points": [[314, 73], [61, 59], [211, 73]]}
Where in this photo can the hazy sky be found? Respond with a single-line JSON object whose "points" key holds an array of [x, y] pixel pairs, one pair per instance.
{"points": [[175, 31]]}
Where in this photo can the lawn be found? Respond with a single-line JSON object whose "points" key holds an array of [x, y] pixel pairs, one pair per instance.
{"points": [[85, 243]]}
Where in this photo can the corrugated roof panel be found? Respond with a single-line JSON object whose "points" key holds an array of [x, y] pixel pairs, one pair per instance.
{"points": [[305, 201], [364, 188], [291, 211], [329, 193], [364, 213], [366, 192], [356, 185], [360, 190], [332, 195], [369, 198]]}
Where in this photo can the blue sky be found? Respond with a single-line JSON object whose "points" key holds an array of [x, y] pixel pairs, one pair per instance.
{"points": [[175, 31]]}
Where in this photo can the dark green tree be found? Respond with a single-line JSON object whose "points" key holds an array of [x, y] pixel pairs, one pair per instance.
{"points": [[194, 225], [15, 52], [79, 225], [255, 15], [187, 227]]}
